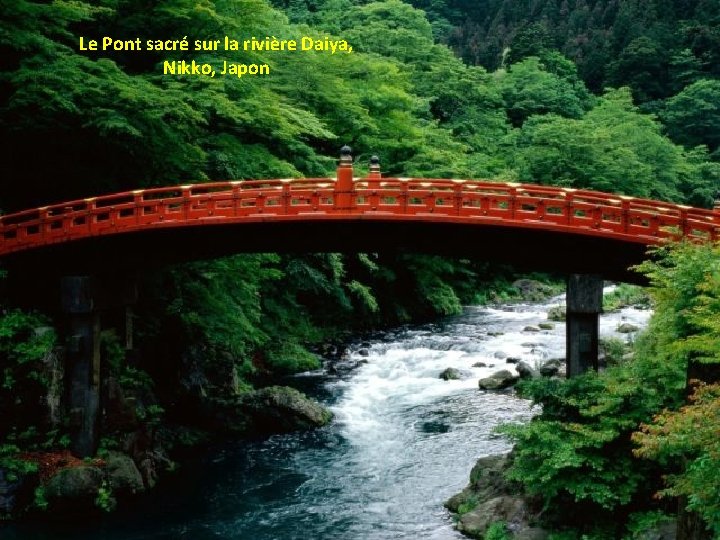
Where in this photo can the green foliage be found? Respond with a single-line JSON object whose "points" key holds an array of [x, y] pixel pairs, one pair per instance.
{"points": [[105, 499], [39, 499], [693, 115], [614, 349], [26, 341], [581, 448], [289, 357], [688, 288], [624, 295], [528, 88], [498, 531], [24, 337], [641, 522], [597, 151], [13, 465], [467, 505], [689, 434]]}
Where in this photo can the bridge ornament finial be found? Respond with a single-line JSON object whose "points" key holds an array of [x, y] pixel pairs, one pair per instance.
{"points": [[374, 175], [346, 156], [374, 163]]}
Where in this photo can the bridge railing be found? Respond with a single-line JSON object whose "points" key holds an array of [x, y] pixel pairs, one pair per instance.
{"points": [[511, 204]]}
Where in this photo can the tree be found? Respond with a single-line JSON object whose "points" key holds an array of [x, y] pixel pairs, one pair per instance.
{"points": [[529, 88], [693, 116], [614, 148]]}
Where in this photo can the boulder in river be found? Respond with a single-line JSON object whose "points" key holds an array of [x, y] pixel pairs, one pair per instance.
{"points": [[476, 522], [500, 355], [498, 380], [546, 326], [280, 409], [450, 374], [551, 367], [531, 329], [627, 328], [364, 352], [490, 498], [525, 370], [512, 360], [556, 313], [479, 364]]}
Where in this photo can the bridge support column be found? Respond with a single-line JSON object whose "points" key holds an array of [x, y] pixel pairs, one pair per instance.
{"points": [[584, 305], [82, 331]]}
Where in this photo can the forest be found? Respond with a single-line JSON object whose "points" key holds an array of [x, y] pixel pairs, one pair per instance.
{"points": [[620, 96]]}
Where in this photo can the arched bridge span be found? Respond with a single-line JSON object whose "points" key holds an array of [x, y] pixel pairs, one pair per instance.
{"points": [[547, 228]]}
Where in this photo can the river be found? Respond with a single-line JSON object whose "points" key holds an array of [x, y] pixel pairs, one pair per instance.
{"points": [[402, 442]]}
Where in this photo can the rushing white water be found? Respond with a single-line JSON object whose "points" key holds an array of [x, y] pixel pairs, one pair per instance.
{"points": [[402, 442]]}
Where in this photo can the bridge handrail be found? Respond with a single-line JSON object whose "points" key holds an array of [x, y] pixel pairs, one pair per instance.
{"points": [[558, 208]]}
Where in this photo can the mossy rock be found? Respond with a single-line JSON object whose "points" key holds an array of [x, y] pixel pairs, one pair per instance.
{"points": [[627, 328], [280, 409], [546, 326], [450, 374], [498, 381], [122, 473], [74, 484]]}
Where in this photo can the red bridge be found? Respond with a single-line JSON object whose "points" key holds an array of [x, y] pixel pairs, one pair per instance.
{"points": [[357, 214], [94, 245]]}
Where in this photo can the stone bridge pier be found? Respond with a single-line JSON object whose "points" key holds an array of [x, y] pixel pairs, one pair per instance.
{"points": [[583, 301], [86, 303]]}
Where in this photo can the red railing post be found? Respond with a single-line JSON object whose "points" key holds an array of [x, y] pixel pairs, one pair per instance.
{"points": [[458, 196], [236, 198], [43, 218], [186, 202], [344, 182], [625, 214], [286, 196], [569, 207], [91, 219], [138, 205], [374, 176], [512, 201], [684, 230]]}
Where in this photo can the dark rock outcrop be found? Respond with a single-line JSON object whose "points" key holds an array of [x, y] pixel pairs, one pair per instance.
{"points": [[551, 367], [556, 313], [450, 374], [122, 474], [280, 409], [526, 371], [627, 328], [498, 380], [74, 486], [490, 498], [546, 326]]}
